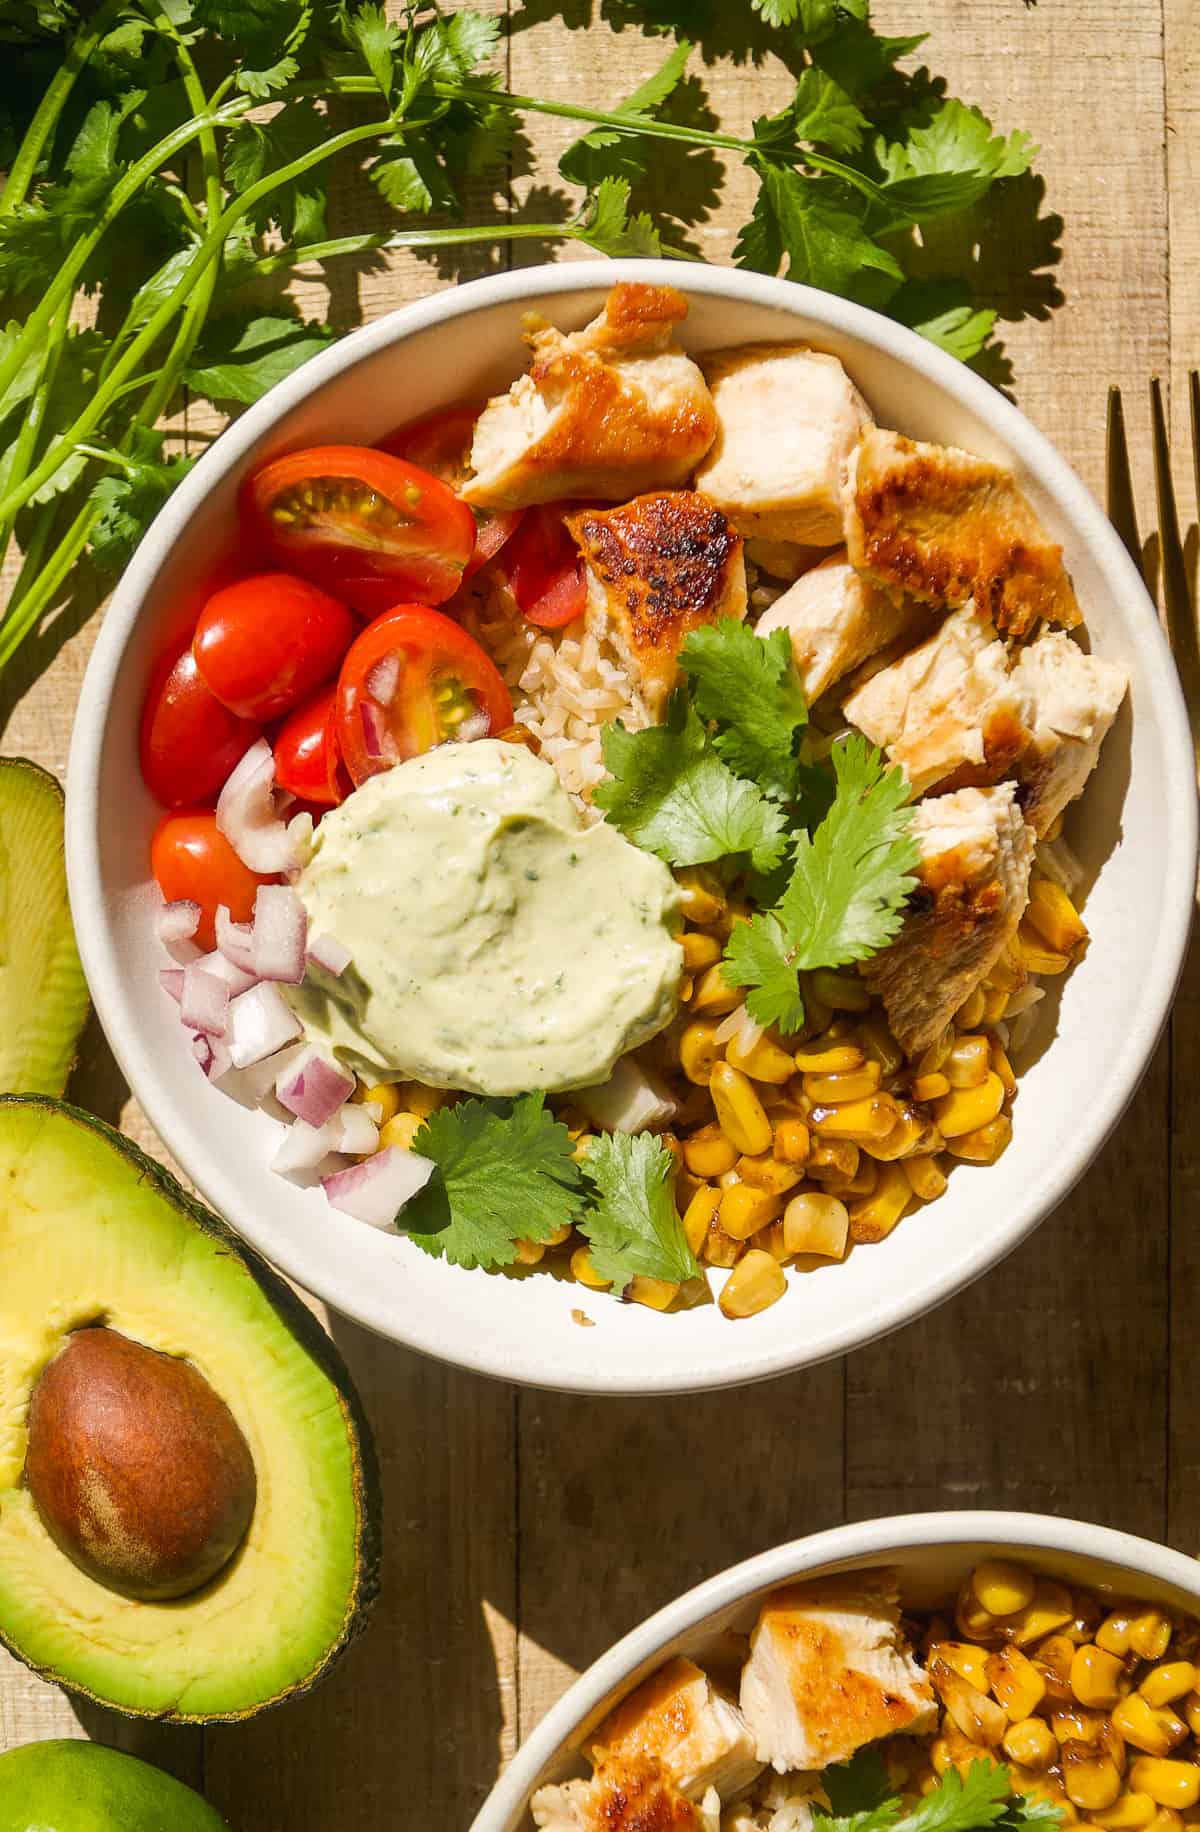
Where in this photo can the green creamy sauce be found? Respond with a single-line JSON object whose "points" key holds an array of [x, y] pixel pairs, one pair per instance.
{"points": [[498, 944]]}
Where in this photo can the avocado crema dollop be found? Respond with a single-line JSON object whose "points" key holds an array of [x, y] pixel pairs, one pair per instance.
{"points": [[499, 944]]}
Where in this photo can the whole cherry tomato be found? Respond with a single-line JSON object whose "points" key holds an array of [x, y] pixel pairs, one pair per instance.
{"points": [[544, 568], [442, 444], [263, 644], [307, 761], [366, 525], [414, 679], [191, 860], [189, 741]]}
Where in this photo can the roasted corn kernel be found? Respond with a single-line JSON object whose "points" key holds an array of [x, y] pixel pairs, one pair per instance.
{"points": [[816, 1224], [699, 1215], [1016, 1682], [707, 1153], [744, 1210], [763, 1061], [1129, 1812], [739, 1111], [699, 951], [1113, 1632], [1164, 1684], [828, 1058], [848, 1085], [1002, 1586], [995, 1004], [967, 1064], [1096, 1677], [1038, 958], [1170, 1784], [930, 1061], [912, 1134], [400, 1130], [585, 1273], [1089, 1776], [1050, 1608], [1150, 1634], [970, 1011], [966, 1109], [879, 1044], [1030, 1742], [1191, 1711], [840, 991], [1156, 1730], [699, 1051], [700, 897], [864, 1181], [713, 996], [832, 1158], [978, 1717], [720, 1249], [655, 1294], [925, 1179], [966, 1659], [871, 1118], [529, 1252], [771, 1240], [383, 1094], [930, 1087], [767, 1173], [985, 1144], [1077, 1723], [1054, 919], [873, 1217], [416, 1097], [792, 1141], [756, 1282]]}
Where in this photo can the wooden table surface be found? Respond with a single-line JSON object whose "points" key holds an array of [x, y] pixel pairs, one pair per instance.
{"points": [[526, 1531]]}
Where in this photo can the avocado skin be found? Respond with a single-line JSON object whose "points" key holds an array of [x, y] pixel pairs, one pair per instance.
{"points": [[64, 994], [68, 1786], [299, 1322]]}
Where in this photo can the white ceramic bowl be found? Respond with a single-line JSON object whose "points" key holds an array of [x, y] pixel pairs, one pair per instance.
{"points": [[932, 1553], [1138, 818]]}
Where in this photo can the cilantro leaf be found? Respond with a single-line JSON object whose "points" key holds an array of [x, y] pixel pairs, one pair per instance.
{"points": [[846, 894], [669, 792], [815, 18], [505, 1172], [580, 165], [240, 358], [859, 1794], [378, 40], [749, 687], [605, 223], [859, 1785], [858, 58], [820, 111], [129, 500], [257, 148], [808, 226], [633, 1226], [950, 161]]}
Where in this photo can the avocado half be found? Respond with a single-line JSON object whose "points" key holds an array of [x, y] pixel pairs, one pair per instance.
{"points": [[43, 994], [93, 1231]]}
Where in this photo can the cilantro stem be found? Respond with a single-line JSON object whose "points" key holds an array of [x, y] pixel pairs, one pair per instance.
{"points": [[25, 443], [595, 117], [80, 45], [287, 258], [26, 610]]}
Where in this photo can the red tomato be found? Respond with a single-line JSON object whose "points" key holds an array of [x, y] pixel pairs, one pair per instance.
{"points": [[545, 571], [442, 444], [414, 679], [307, 763], [364, 524], [263, 644], [189, 741], [191, 859]]}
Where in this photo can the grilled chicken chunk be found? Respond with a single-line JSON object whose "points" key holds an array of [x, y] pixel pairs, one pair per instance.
{"points": [[837, 619], [944, 526], [606, 411], [827, 1672], [1071, 701], [788, 419], [630, 1796], [973, 885], [949, 711], [658, 567], [678, 1718]]}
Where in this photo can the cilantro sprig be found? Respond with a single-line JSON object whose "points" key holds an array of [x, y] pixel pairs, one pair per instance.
{"points": [[861, 1799], [845, 898], [166, 158], [631, 1223]]}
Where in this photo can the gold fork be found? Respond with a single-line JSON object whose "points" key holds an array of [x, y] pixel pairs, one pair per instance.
{"points": [[1181, 612]]}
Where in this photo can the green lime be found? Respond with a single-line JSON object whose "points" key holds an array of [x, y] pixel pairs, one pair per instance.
{"points": [[68, 1786]]}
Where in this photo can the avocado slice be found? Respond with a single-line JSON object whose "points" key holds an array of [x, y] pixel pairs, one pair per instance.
{"points": [[43, 994], [93, 1231], [64, 1785]]}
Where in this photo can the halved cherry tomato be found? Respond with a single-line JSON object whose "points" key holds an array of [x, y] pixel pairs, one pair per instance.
{"points": [[442, 444], [545, 571], [413, 679], [191, 859], [263, 644], [189, 741], [364, 524], [307, 763]]}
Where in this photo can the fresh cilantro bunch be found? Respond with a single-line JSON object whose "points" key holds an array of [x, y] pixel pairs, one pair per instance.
{"points": [[861, 1799], [167, 159]]}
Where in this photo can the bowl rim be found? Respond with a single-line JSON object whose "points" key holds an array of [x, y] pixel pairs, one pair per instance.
{"points": [[856, 1540], [480, 1351]]}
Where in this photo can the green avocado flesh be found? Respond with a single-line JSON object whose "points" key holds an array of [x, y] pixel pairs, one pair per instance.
{"points": [[43, 995], [93, 1231], [67, 1786]]}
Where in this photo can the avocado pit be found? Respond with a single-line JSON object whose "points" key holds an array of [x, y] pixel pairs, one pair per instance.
{"points": [[137, 1467]]}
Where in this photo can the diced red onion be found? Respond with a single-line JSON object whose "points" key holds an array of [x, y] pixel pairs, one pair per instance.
{"points": [[375, 1109], [376, 1190], [204, 1004], [326, 952], [222, 968], [475, 725], [278, 935], [383, 680], [359, 1133], [375, 730], [629, 1101], [303, 1147], [177, 921], [171, 980], [260, 1022], [247, 816], [212, 1053], [313, 1088], [235, 940]]}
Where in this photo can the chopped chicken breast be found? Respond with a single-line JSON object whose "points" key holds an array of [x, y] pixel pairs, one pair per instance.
{"points": [[948, 711], [607, 411], [828, 1672], [788, 419], [836, 619], [631, 1796], [699, 1737], [1072, 700], [657, 568], [973, 885], [945, 526]]}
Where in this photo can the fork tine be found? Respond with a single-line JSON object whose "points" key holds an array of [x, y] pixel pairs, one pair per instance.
{"points": [[1176, 595], [1194, 395], [1118, 482]]}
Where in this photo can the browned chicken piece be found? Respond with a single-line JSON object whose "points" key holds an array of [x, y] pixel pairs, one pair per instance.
{"points": [[608, 411], [945, 526], [837, 619], [972, 888], [828, 1672], [1071, 700], [788, 419], [679, 1718], [632, 1796], [948, 712], [657, 568]]}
